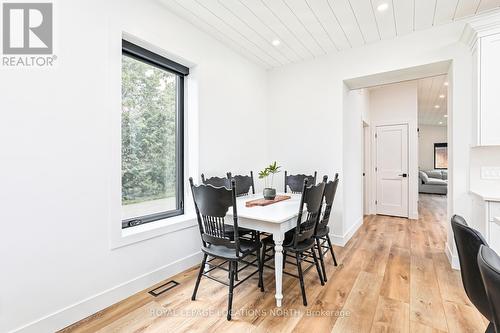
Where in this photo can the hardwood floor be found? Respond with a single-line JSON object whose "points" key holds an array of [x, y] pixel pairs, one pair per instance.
{"points": [[393, 276]]}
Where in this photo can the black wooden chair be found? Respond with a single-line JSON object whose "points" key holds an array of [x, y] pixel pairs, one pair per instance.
{"points": [[295, 182], [300, 240], [243, 186], [243, 183], [216, 181], [323, 242], [226, 182], [468, 241], [212, 204], [489, 266]]}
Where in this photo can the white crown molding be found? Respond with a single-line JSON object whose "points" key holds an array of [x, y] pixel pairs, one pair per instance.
{"points": [[479, 26], [469, 36]]}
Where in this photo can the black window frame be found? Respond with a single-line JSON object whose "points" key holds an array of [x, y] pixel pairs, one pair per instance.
{"points": [[141, 54], [439, 145]]}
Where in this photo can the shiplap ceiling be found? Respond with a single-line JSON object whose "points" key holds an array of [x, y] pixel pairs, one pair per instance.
{"points": [[432, 92], [311, 28]]}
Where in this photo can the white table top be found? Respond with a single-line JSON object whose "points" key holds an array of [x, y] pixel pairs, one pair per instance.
{"points": [[275, 213]]}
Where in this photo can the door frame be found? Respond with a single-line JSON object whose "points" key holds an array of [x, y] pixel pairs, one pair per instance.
{"points": [[456, 187], [373, 157]]}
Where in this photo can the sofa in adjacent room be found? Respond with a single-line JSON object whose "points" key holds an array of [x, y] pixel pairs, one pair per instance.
{"points": [[433, 181]]}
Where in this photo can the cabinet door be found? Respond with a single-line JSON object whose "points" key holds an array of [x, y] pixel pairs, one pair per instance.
{"points": [[490, 90], [494, 239], [494, 211], [479, 220]]}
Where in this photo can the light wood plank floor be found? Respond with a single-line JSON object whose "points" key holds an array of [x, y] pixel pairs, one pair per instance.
{"points": [[393, 277]]}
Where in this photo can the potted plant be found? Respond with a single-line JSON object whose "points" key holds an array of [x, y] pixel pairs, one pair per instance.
{"points": [[269, 192]]}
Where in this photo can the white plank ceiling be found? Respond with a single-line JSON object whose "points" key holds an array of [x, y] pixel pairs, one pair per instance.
{"points": [[309, 28], [432, 101]]}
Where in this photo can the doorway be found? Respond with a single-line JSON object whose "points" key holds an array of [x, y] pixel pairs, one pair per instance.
{"points": [[391, 99], [398, 116], [433, 98]]}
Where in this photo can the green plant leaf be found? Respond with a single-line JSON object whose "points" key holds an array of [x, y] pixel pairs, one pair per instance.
{"points": [[263, 174], [273, 168]]}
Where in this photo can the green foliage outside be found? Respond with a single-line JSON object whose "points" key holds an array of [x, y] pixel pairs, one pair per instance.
{"points": [[148, 132]]}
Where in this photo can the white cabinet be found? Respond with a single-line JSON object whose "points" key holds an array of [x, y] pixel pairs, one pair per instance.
{"points": [[485, 212], [494, 225], [479, 215], [486, 90], [494, 210]]}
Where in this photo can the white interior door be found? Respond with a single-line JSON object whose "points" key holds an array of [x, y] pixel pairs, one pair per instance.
{"points": [[392, 170]]}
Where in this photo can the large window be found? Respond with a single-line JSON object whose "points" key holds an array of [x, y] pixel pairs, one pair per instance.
{"points": [[441, 156], [152, 136]]}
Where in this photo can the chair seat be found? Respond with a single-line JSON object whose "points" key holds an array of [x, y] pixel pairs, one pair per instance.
{"points": [[322, 232], [241, 231], [301, 247], [288, 242], [221, 251]]}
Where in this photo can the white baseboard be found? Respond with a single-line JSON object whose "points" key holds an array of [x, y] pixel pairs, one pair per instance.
{"points": [[93, 304], [454, 261], [341, 240]]}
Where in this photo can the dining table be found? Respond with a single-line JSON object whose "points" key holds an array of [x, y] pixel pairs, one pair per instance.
{"points": [[276, 219]]}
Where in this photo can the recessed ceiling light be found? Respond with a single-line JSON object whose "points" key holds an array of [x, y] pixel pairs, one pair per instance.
{"points": [[446, 116], [383, 7], [441, 96], [446, 83], [440, 123], [276, 42], [437, 106]]}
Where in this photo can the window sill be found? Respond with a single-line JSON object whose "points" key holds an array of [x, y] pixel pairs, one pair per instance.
{"points": [[153, 229]]}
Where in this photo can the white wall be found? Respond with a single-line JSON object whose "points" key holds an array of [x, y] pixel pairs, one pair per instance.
{"points": [[428, 135], [307, 134], [393, 103], [397, 104], [58, 156], [484, 157], [487, 156], [309, 96], [367, 166], [356, 108]]}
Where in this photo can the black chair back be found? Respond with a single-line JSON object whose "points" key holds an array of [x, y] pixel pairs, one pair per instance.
{"points": [[296, 182], [211, 205], [329, 196], [489, 266], [312, 197], [468, 242], [216, 181], [243, 183]]}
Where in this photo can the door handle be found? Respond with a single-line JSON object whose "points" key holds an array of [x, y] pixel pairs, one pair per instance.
{"points": [[404, 175]]}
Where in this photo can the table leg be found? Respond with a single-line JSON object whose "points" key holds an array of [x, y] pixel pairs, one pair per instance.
{"points": [[278, 266]]}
